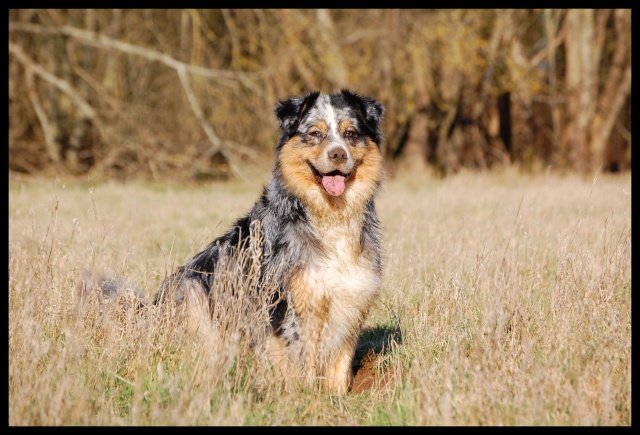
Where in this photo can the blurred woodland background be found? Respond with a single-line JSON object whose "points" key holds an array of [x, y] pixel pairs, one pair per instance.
{"points": [[189, 94]]}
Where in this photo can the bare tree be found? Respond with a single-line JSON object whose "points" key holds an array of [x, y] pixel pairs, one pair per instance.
{"points": [[191, 92]]}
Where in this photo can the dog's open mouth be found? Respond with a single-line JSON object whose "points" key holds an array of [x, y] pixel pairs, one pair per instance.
{"points": [[334, 182]]}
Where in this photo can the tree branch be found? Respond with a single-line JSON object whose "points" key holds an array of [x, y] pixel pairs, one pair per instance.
{"points": [[208, 130], [84, 107], [49, 130], [227, 78]]}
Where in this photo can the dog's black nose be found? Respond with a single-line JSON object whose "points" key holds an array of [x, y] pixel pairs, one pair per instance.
{"points": [[337, 154]]}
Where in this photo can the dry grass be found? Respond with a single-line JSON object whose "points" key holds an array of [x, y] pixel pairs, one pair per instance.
{"points": [[506, 301]]}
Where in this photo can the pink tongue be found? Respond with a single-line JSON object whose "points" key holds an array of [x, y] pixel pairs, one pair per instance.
{"points": [[333, 184]]}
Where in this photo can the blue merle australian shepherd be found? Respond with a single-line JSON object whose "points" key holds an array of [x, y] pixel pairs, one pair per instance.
{"points": [[320, 236]]}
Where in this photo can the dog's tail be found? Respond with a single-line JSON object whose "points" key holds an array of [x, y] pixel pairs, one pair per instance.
{"points": [[108, 289]]}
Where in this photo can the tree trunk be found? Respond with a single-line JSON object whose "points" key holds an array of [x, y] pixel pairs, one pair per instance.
{"points": [[578, 80], [331, 51], [616, 89]]}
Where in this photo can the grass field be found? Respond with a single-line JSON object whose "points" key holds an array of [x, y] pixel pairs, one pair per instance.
{"points": [[506, 300]]}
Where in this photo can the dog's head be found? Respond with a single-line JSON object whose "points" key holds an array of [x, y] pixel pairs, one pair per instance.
{"points": [[330, 144]]}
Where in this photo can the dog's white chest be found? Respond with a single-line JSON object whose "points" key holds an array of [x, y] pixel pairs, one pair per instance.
{"points": [[339, 270], [348, 281], [340, 275]]}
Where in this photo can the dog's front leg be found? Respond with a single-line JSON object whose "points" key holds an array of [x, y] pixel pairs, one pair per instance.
{"points": [[339, 374]]}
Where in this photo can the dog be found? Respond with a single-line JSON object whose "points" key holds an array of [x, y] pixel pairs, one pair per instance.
{"points": [[319, 237]]}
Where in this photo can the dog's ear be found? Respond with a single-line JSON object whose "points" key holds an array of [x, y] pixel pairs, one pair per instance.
{"points": [[370, 110], [290, 112]]}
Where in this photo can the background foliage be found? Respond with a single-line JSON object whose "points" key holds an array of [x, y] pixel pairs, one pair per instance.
{"points": [[190, 93]]}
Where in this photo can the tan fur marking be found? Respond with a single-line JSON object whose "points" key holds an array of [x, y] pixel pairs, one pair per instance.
{"points": [[339, 374], [369, 169], [313, 312], [322, 126], [299, 178], [297, 175], [278, 355], [343, 125]]}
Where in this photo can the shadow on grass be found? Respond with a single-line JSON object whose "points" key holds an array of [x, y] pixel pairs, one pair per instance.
{"points": [[375, 342]]}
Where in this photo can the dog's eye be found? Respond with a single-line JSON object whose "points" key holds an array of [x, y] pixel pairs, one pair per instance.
{"points": [[316, 134], [349, 134]]}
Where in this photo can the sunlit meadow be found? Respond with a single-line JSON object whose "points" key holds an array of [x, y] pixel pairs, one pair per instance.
{"points": [[506, 300]]}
